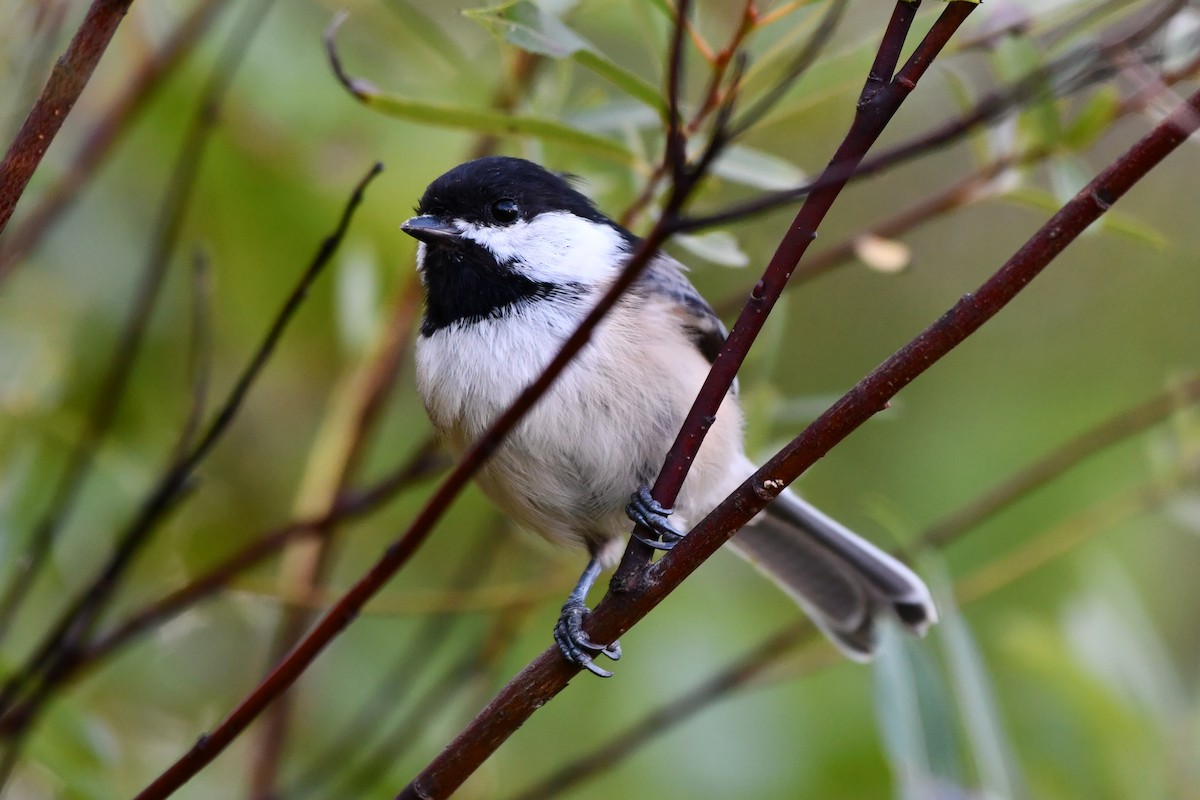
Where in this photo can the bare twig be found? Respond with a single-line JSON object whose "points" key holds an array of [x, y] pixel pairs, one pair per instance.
{"points": [[67, 80], [334, 467], [104, 134], [548, 674], [426, 462], [399, 680], [1092, 441], [804, 59], [1081, 67], [771, 651], [876, 108], [173, 208], [55, 655]]}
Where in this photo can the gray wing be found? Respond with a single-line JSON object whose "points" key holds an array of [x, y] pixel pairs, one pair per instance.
{"points": [[664, 278]]}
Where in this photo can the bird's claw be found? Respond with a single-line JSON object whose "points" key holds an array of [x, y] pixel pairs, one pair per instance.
{"points": [[647, 512], [576, 646]]}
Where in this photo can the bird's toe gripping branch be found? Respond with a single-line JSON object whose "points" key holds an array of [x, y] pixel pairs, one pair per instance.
{"points": [[647, 512]]}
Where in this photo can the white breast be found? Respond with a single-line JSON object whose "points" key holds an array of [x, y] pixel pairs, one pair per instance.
{"points": [[604, 427]]}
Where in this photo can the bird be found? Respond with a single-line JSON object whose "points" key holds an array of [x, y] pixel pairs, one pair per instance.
{"points": [[512, 257]]}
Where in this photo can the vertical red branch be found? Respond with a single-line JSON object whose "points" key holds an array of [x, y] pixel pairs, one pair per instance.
{"points": [[881, 98], [58, 97]]}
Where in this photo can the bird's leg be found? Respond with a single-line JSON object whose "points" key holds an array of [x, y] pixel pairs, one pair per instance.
{"points": [[644, 510], [572, 640]]}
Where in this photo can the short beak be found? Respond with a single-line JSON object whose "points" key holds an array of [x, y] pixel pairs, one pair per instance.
{"points": [[430, 229]]}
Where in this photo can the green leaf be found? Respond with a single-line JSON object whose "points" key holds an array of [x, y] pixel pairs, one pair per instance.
{"points": [[719, 247], [993, 752], [533, 29], [760, 169], [358, 303], [1134, 229], [915, 717], [1017, 58], [489, 121], [1113, 222], [1093, 119], [616, 117], [1067, 177]]}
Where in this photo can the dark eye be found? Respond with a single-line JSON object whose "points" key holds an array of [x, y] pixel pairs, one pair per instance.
{"points": [[505, 210]]}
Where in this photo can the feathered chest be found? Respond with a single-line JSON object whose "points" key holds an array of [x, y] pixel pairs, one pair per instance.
{"points": [[469, 373]]}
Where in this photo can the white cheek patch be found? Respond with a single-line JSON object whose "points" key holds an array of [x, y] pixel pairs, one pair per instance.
{"points": [[555, 247], [421, 250]]}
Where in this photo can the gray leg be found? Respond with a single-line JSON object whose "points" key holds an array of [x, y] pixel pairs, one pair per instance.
{"points": [[568, 631]]}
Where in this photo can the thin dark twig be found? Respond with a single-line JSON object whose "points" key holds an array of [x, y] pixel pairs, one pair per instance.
{"points": [[419, 652], [703, 695], [548, 675], [1075, 70], [716, 98], [67, 81], [1114, 430], [173, 208], [200, 351], [875, 110], [676, 144], [814, 45], [722, 134], [306, 564], [426, 462], [98, 142], [398, 553], [54, 654], [1092, 441]]}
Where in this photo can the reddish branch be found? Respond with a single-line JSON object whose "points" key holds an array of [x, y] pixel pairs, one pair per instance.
{"points": [[549, 673], [547, 676], [1084, 65], [104, 134], [172, 208], [400, 551], [57, 652], [58, 97], [882, 95], [769, 652]]}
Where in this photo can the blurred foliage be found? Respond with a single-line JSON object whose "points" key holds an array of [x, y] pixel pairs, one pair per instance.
{"points": [[1075, 679]]}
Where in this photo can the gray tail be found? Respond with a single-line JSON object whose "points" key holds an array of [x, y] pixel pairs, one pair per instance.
{"points": [[841, 580]]}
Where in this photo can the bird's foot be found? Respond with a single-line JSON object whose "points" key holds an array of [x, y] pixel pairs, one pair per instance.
{"points": [[644, 510], [575, 644]]}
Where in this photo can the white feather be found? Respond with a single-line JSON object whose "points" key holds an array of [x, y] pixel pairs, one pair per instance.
{"points": [[554, 247]]}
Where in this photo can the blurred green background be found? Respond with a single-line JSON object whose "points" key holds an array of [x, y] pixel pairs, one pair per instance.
{"points": [[1076, 678]]}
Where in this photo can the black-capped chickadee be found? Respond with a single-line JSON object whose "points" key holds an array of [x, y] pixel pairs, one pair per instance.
{"points": [[512, 258]]}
